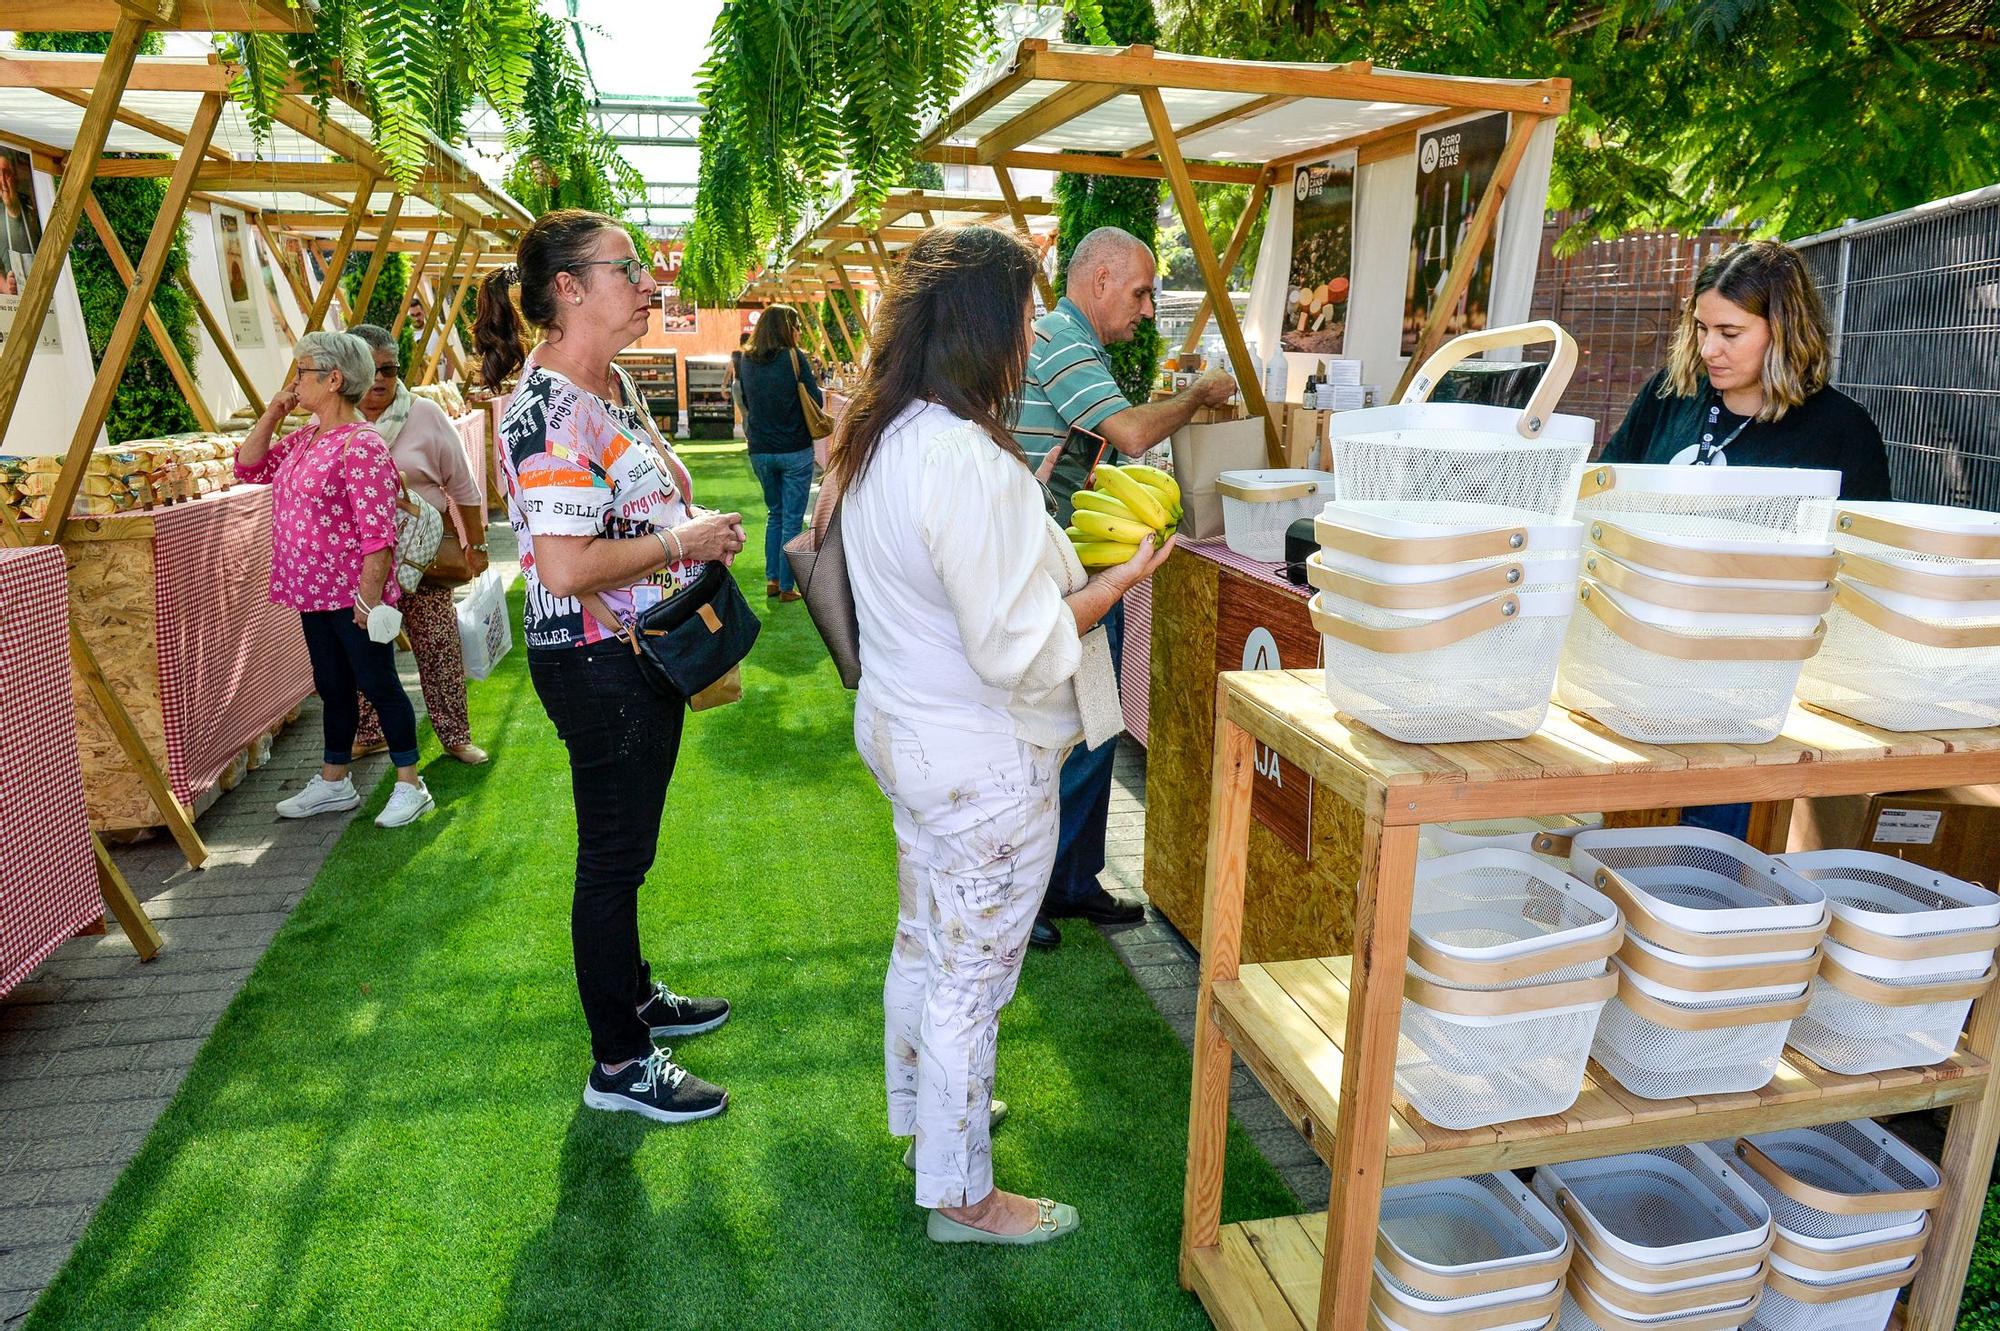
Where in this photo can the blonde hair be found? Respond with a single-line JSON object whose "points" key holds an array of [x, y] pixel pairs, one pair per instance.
{"points": [[1767, 279]]}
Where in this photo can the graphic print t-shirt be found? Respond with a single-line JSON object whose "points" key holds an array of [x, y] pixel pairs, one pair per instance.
{"points": [[578, 465]]}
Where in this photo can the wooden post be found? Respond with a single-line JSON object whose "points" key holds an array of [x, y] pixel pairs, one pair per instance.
{"points": [[124, 903], [1470, 248], [431, 304], [854, 345], [59, 228], [1248, 384], [324, 301], [1967, 1168], [380, 255], [1368, 1066], [416, 274], [1245, 224], [1006, 179], [220, 336], [1770, 826], [808, 305], [1221, 949], [295, 280], [183, 379], [451, 315], [860, 307], [138, 301], [178, 821]]}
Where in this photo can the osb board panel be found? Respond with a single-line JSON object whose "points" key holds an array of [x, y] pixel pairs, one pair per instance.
{"points": [[112, 597], [1292, 909]]}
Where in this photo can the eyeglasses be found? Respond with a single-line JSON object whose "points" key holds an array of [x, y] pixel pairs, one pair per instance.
{"points": [[633, 268], [316, 369], [389, 371]]}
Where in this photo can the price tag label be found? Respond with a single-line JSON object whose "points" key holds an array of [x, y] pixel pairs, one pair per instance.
{"points": [[1907, 827]]}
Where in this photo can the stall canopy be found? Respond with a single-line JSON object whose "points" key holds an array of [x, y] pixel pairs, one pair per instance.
{"points": [[1132, 111]]}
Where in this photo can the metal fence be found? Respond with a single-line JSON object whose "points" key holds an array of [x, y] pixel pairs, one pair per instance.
{"points": [[1914, 302]]}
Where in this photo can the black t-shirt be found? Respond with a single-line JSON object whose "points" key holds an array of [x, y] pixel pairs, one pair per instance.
{"points": [[1829, 430], [773, 420]]}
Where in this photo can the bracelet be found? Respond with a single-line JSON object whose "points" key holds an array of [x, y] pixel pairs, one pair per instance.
{"points": [[665, 553], [361, 602], [680, 551]]}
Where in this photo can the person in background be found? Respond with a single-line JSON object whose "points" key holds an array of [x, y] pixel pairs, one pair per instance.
{"points": [[735, 379], [333, 548], [1070, 385], [781, 448], [427, 451], [1745, 383], [603, 510], [973, 613]]}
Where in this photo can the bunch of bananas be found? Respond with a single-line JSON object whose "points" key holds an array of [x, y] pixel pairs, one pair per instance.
{"points": [[1122, 508]]}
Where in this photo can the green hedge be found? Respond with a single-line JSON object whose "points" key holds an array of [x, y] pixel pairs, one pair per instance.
{"points": [[1980, 1310], [391, 289]]}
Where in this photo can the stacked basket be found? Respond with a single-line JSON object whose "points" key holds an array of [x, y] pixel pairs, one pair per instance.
{"points": [[1721, 942], [1258, 507], [1467, 1254], [1702, 592], [1913, 640], [1666, 1240], [1442, 621], [1849, 1202], [1907, 952], [1505, 981], [1547, 835]]}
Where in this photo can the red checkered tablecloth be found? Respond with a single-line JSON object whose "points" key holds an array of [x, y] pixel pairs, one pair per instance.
{"points": [[231, 663], [48, 874]]}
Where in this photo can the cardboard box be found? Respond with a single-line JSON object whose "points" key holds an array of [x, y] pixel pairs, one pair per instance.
{"points": [[1953, 831]]}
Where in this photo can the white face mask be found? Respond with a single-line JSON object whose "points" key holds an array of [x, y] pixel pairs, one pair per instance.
{"points": [[384, 623]]}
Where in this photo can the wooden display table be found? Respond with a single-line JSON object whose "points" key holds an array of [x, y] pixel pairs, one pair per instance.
{"points": [[177, 603], [1321, 1034]]}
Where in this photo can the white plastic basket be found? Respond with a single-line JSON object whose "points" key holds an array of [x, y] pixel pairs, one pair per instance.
{"points": [[1838, 1181], [1791, 1304], [1870, 1014], [1546, 835], [1257, 507], [1794, 501], [1903, 671], [1702, 891], [1406, 541], [1471, 1058], [1933, 541], [1891, 907], [1662, 1050], [1495, 918], [1582, 1311], [1484, 1248], [1673, 686], [1662, 1219]]}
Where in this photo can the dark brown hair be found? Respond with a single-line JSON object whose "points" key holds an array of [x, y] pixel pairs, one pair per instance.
{"points": [[556, 243], [950, 329], [1766, 278], [777, 331]]}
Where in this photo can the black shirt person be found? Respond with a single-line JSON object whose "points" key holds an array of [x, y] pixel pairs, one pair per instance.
{"points": [[1745, 383]]}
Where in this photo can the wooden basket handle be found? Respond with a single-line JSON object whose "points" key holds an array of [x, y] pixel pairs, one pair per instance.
{"points": [[1663, 1302], [1704, 980], [1871, 990], [1872, 612], [1460, 971], [1459, 1284], [1658, 932], [1798, 1291], [1915, 582], [1686, 596], [1509, 1002], [1608, 535], [1422, 637], [1478, 1319], [1490, 580], [1267, 494], [1541, 404], [1914, 948], [1847, 1259], [1722, 1319], [1619, 1264], [1496, 542], [1648, 1008], [1919, 540], [1825, 1199], [1687, 647]]}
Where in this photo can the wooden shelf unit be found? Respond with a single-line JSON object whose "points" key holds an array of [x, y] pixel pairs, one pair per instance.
{"points": [[1321, 1034]]}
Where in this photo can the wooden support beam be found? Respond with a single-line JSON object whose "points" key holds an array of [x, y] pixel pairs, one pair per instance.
{"points": [[1093, 164], [1245, 224], [860, 308], [1051, 113], [184, 380], [1969, 1142], [432, 307], [151, 126], [59, 227], [1013, 198], [379, 256], [340, 299], [295, 279], [1366, 143], [1255, 106], [180, 823], [220, 337], [450, 318], [324, 301], [1214, 278], [416, 271], [901, 234], [1471, 249], [131, 316], [123, 903]]}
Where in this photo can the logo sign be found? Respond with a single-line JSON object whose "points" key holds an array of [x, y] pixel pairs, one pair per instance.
{"points": [[1433, 150], [1260, 627]]}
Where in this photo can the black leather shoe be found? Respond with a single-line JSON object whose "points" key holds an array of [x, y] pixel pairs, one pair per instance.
{"points": [[1102, 908], [1045, 935]]}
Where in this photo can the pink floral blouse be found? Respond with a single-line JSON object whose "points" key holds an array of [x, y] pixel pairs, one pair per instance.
{"points": [[333, 504]]}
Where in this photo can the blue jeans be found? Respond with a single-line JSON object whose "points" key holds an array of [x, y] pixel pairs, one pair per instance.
{"points": [[787, 479], [1086, 802], [347, 663]]}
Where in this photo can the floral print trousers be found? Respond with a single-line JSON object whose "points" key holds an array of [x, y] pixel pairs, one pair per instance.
{"points": [[975, 818]]}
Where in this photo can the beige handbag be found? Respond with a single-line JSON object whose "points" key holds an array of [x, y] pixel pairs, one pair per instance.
{"points": [[818, 424]]}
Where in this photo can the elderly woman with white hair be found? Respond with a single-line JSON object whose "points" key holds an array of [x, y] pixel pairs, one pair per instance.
{"points": [[333, 526]]}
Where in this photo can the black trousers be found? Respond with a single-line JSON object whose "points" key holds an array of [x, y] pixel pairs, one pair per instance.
{"points": [[345, 660], [622, 739]]}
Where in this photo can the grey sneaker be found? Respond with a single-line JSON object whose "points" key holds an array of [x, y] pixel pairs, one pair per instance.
{"points": [[656, 1087], [321, 796], [407, 803]]}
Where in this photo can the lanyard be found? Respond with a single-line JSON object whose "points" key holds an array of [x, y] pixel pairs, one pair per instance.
{"points": [[1708, 450]]}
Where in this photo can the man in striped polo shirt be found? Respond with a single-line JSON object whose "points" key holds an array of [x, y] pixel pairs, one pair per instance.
{"points": [[1108, 293]]}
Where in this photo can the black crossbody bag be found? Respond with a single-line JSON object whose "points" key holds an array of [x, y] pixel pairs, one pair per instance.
{"points": [[693, 638]]}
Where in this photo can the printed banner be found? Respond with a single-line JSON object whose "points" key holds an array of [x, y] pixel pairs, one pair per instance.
{"points": [[239, 271], [677, 316], [1454, 166], [20, 236], [1322, 259]]}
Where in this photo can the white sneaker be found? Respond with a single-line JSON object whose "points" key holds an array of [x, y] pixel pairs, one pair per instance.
{"points": [[407, 803], [321, 796]]}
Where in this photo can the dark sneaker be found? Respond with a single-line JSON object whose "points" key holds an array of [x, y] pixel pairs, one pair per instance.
{"points": [[1100, 907], [671, 1015], [657, 1087], [1045, 935]]}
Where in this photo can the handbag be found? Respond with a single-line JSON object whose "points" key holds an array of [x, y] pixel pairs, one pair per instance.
{"points": [[819, 565], [691, 642], [419, 531], [818, 424], [451, 566]]}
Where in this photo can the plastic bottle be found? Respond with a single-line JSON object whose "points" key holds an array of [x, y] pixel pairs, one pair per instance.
{"points": [[1277, 376]]}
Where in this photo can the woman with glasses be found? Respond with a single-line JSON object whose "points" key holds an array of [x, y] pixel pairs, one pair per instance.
{"points": [[333, 547], [781, 448], [428, 452], [607, 525], [1745, 382]]}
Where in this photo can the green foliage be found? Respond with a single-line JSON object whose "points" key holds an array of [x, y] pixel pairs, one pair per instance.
{"points": [[561, 158], [1789, 116], [1980, 1310], [837, 331], [392, 287], [1221, 206], [148, 401]]}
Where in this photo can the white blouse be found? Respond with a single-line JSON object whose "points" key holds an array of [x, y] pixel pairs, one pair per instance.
{"points": [[959, 577]]}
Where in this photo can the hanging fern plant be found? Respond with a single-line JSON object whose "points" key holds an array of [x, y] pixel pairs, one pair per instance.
{"points": [[562, 159]]}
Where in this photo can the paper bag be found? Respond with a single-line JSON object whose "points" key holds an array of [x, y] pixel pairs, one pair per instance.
{"points": [[1200, 454]]}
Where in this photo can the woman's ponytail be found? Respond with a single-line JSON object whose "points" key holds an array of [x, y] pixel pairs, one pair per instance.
{"points": [[558, 242], [496, 330]]}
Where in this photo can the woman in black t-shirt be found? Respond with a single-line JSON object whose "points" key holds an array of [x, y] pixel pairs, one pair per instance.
{"points": [[1745, 382]]}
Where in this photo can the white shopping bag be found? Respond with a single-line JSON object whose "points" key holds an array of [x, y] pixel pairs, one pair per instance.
{"points": [[484, 634]]}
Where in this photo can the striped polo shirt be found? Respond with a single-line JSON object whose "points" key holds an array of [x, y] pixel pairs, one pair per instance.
{"points": [[1069, 384]]}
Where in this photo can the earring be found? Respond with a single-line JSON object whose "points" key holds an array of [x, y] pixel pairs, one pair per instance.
{"points": [[578, 300]]}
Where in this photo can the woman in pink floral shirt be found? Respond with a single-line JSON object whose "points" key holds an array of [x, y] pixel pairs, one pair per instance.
{"points": [[333, 560]]}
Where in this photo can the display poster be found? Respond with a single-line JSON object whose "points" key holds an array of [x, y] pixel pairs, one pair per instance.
{"points": [[239, 271], [267, 268], [20, 236], [1259, 627], [676, 315], [1454, 166], [1322, 259]]}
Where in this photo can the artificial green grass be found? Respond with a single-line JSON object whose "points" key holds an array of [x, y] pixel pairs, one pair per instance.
{"points": [[385, 1129]]}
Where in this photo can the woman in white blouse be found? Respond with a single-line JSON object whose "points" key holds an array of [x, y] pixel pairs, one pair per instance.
{"points": [[979, 671]]}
